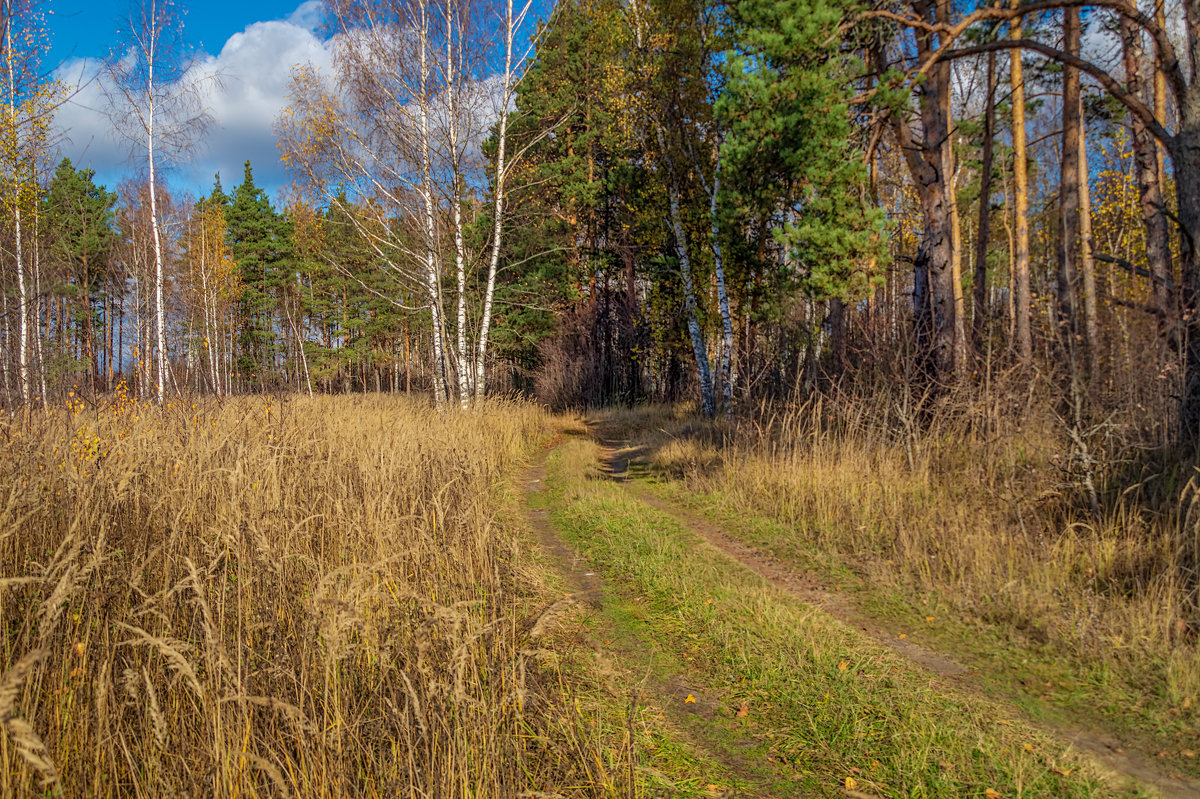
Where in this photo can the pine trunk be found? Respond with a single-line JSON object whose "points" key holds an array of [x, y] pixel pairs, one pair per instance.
{"points": [[1068, 197], [979, 302], [1185, 156], [1087, 261], [1148, 167], [1022, 294]]}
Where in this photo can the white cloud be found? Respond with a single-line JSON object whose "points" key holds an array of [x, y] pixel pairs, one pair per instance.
{"points": [[308, 15], [254, 71]]}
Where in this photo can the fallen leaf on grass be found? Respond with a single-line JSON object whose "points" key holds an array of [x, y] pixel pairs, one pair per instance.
{"points": [[743, 711], [992, 793], [902, 636], [851, 783], [929, 618], [944, 765], [691, 700], [1062, 772], [1028, 747], [843, 666], [1188, 753]]}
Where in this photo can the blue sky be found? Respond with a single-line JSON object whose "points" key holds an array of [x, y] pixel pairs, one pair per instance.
{"points": [[253, 45], [90, 29]]}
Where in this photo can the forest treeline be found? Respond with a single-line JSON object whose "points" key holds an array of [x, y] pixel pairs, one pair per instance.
{"points": [[634, 200]]}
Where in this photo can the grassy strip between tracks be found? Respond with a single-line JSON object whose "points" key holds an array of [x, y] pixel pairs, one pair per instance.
{"points": [[836, 711]]}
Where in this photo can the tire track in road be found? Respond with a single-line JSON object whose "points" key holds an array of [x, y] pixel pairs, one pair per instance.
{"points": [[667, 693], [1113, 756]]}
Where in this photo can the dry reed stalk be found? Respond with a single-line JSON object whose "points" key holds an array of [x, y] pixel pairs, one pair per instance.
{"points": [[307, 597]]}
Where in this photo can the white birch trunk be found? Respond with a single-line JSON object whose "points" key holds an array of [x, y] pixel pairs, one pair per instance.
{"points": [[22, 288], [485, 324], [299, 337], [699, 348], [460, 259], [23, 304], [159, 309], [460, 268], [37, 310], [431, 266], [5, 315], [727, 374]]}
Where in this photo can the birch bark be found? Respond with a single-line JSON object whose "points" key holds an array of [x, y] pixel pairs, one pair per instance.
{"points": [[432, 272], [18, 254]]}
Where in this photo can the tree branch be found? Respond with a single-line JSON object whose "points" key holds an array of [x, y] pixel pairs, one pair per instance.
{"points": [[1133, 269], [1135, 106], [1169, 61]]}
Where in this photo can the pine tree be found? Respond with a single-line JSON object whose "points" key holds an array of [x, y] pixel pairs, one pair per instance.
{"points": [[790, 142], [574, 231], [80, 217], [261, 248]]}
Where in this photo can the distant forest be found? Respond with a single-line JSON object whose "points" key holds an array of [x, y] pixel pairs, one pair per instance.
{"points": [[636, 200]]}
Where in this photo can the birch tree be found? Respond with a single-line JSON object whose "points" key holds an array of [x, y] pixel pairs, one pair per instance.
{"points": [[158, 104], [640, 23], [28, 105], [16, 190], [509, 77], [399, 135], [365, 147], [213, 289]]}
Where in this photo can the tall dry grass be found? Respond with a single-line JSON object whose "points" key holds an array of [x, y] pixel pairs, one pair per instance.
{"points": [[310, 598], [983, 509]]}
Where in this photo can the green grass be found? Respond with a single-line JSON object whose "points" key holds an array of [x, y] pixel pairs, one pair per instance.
{"points": [[1044, 680], [824, 704]]}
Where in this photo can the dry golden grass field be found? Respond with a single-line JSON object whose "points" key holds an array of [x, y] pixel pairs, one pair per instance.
{"points": [[361, 596], [314, 597]]}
